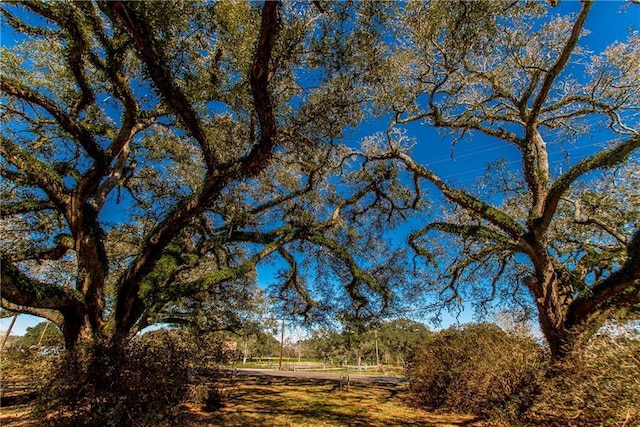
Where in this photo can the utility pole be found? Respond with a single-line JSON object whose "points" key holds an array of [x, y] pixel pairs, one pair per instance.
{"points": [[375, 333], [246, 349], [42, 334], [6, 337], [281, 340]]}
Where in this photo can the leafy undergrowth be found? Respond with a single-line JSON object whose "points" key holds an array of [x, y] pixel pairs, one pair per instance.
{"points": [[269, 401]]}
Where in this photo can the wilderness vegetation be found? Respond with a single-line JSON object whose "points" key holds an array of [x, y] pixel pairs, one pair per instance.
{"points": [[155, 154], [389, 343]]}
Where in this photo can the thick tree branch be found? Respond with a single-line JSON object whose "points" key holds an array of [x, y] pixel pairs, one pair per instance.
{"points": [[608, 158], [63, 242], [128, 304], [20, 289], [75, 50], [51, 315], [359, 276], [25, 207], [41, 174], [561, 62], [474, 123], [474, 232], [259, 81], [465, 200], [90, 185], [293, 279], [121, 142], [21, 26], [157, 66], [263, 238], [188, 288], [528, 92], [621, 289]]}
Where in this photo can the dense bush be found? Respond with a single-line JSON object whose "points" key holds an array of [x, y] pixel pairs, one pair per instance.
{"points": [[598, 385], [25, 364], [140, 384], [479, 369], [25, 358]]}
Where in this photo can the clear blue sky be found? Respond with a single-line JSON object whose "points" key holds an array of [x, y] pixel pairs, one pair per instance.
{"points": [[608, 21]]}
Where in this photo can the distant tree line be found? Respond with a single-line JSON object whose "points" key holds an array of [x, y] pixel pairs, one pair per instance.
{"points": [[389, 342]]}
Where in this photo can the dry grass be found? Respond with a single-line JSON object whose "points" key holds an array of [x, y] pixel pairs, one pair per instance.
{"points": [[15, 409], [282, 402]]}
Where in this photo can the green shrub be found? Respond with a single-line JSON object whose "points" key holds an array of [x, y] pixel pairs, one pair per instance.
{"points": [[597, 385], [479, 369]]}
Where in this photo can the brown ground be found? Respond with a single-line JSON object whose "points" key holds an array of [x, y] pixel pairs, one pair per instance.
{"points": [[282, 402]]}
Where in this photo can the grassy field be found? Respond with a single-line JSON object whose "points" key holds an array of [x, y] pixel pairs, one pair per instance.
{"points": [[282, 402], [266, 402], [315, 365]]}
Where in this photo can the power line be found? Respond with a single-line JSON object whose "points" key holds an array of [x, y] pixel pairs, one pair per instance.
{"points": [[512, 162], [500, 145]]}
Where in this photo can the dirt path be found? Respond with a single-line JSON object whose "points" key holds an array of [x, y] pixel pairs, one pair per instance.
{"points": [[321, 376]]}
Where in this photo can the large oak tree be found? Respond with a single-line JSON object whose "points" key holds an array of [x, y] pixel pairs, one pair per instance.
{"points": [[519, 74], [154, 152]]}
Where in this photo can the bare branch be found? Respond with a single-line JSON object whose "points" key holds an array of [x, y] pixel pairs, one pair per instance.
{"points": [[579, 218]]}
